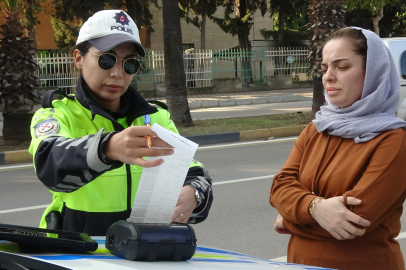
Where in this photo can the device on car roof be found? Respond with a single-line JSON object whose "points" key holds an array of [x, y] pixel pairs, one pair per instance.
{"points": [[31, 239]]}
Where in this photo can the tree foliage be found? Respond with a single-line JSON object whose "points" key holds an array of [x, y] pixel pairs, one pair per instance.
{"points": [[393, 24], [241, 23], [289, 20], [70, 11], [289, 15], [374, 6], [64, 33], [30, 10], [200, 10], [291, 38], [370, 5], [18, 85]]}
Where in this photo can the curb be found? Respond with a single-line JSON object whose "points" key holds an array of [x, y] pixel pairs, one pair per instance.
{"points": [[213, 103], [18, 156], [21, 156]]}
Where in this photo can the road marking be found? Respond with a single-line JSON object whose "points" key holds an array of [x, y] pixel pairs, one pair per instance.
{"points": [[16, 167], [23, 209], [280, 259], [242, 180], [246, 143], [401, 235], [24, 166], [217, 183]]}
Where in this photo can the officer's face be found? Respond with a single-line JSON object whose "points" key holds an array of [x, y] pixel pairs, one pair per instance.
{"points": [[107, 86]]}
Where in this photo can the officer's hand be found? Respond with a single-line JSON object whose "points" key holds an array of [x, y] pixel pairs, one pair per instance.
{"points": [[187, 202], [130, 145]]}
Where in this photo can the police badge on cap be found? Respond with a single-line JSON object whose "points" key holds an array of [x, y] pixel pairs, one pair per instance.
{"points": [[121, 18]]}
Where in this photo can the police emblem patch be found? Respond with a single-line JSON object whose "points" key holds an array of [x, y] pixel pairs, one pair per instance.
{"points": [[46, 127], [121, 18]]}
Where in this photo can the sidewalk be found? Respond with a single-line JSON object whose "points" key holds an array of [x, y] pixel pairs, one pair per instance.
{"points": [[246, 98], [209, 101]]}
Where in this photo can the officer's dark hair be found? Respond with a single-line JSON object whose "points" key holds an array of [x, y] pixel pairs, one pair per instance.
{"points": [[83, 48], [356, 38]]}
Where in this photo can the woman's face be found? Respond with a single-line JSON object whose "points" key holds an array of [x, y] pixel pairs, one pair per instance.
{"points": [[106, 86], [343, 73]]}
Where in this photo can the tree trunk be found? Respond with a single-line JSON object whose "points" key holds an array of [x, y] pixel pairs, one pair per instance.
{"points": [[203, 31], [175, 78], [243, 41], [31, 35], [16, 127], [377, 18], [318, 94], [281, 22], [201, 74]]}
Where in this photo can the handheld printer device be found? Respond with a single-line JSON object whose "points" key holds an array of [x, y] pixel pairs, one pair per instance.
{"points": [[151, 241]]}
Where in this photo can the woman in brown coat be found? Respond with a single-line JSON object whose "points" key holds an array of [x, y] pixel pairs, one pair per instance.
{"points": [[341, 191]]}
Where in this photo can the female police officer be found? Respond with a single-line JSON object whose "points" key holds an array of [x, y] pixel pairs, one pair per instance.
{"points": [[88, 147]]}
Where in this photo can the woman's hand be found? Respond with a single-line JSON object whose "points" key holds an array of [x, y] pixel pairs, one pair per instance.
{"points": [[278, 227], [187, 202], [334, 217], [130, 145]]}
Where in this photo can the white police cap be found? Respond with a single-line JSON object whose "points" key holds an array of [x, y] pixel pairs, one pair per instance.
{"points": [[108, 28]]}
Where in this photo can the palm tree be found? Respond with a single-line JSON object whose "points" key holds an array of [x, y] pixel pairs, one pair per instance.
{"points": [[18, 85], [325, 17], [175, 78]]}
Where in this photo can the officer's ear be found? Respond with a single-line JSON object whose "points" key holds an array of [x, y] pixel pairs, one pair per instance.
{"points": [[78, 59]]}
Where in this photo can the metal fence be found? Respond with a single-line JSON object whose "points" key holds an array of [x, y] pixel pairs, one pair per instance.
{"points": [[202, 68]]}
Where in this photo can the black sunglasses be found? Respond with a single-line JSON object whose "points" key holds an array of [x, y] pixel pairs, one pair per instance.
{"points": [[107, 61]]}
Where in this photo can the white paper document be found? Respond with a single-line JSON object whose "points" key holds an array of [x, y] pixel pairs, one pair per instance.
{"points": [[159, 187]]}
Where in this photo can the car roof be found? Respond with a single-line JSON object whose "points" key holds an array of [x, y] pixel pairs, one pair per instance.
{"points": [[205, 258]]}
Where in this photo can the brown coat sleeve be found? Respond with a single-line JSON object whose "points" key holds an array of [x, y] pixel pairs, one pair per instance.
{"points": [[288, 195], [382, 187]]}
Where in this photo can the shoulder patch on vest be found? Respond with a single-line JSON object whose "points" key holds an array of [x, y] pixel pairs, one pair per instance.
{"points": [[46, 127]]}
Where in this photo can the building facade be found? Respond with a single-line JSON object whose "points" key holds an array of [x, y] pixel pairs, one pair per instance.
{"points": [[215, 37]]}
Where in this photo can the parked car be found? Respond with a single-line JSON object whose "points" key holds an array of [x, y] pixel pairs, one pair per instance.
{"points": [[397, 47], [205, 258]]}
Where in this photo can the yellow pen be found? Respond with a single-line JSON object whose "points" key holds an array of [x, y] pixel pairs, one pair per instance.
{"points": [[147, 122]]}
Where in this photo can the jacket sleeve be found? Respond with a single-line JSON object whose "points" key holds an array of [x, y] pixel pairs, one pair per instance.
{"points": [[63, 163], [199, 178]]}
